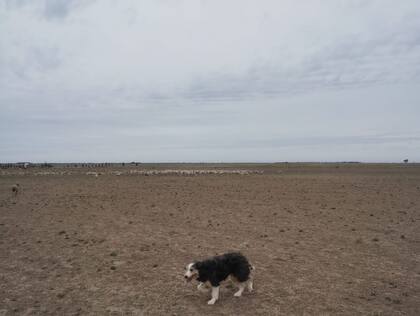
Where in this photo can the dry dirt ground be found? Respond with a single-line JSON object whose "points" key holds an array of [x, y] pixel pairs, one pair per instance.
{"points": [[325, 240]]}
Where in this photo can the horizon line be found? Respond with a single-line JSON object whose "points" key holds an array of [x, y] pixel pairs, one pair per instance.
{"points": [[209, 162]]}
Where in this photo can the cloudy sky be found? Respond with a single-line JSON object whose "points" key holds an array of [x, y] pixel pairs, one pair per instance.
{"points": [[209, 80]]}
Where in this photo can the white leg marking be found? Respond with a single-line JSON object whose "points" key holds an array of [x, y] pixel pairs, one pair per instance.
{"points": [[241, 289], [214, 295], [250, 285]]}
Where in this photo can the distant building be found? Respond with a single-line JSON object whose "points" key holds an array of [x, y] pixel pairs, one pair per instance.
{"points": [[23, 164]]}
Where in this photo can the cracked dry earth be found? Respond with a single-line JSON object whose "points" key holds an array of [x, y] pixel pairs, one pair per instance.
{"points": [[325, 240]]}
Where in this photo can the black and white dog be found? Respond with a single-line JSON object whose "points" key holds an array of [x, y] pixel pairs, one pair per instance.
{"points": [[218, 269]]}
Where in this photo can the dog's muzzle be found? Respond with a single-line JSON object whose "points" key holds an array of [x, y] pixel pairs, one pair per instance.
{"points": [[188, 278]]}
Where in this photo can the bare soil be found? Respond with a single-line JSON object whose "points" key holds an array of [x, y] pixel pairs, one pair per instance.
{"points": [[326, 239]]}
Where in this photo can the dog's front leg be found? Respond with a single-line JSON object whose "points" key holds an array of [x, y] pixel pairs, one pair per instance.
{"points": [[241, 289], [214, 295]]}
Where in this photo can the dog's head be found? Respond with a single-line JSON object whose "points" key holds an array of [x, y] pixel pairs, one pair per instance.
{"points": [[191, 271]]}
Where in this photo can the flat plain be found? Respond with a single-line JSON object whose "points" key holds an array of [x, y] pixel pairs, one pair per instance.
{"points": [[326, 239]]}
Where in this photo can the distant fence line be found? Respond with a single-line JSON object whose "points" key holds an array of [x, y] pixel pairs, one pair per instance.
{"points": [[27, 165]]}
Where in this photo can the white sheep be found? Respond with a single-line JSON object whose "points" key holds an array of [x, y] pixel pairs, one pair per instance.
{"points": [[15, 188]]}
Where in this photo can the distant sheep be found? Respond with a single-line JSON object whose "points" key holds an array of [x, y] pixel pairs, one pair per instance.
{"points": [[192, 172], [15, 188], [92, 173]]}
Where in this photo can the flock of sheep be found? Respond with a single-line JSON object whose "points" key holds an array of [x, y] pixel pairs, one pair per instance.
{"points": [[176, 172], [189, 172], [186, 172], [156, 172]]}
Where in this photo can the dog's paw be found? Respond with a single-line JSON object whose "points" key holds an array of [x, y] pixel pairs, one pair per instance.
{"points": [[211, 302], [238, 294]]}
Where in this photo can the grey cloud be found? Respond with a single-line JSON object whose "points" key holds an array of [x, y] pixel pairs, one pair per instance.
{"points": [[349, 64], [57, 8], [49, 9]]}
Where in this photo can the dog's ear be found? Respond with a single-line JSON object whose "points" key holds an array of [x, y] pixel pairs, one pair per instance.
{"points": [[197, 265]]}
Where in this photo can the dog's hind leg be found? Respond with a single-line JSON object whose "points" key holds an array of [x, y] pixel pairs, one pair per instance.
{"points": [[250, 282], [241, 289]]}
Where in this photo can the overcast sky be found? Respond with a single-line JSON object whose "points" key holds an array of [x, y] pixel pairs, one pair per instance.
{"points": [[167, 80]]}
